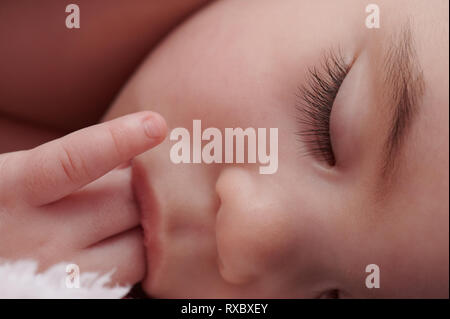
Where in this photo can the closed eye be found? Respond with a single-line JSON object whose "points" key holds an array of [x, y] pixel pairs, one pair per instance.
{"points": [[315, 102]]}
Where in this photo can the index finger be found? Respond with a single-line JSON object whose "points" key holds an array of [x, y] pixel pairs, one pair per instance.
{"points": [[58, 168]]}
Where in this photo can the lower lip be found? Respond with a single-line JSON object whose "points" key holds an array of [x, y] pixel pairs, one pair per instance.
{"points": [[148, 208]]}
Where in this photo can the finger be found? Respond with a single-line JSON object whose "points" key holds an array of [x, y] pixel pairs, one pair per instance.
{"points": [[126, 164], [3, 187], [125, 253], [98, 211], [55, 169]]}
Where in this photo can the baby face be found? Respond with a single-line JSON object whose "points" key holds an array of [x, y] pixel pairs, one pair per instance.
{"points": [[362, 174]]}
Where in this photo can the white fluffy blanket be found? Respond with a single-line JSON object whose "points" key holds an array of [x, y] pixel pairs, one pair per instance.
{"points": [[20, 279]]}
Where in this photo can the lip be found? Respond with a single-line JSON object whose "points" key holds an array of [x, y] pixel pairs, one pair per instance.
{"points": [[148, 207]]}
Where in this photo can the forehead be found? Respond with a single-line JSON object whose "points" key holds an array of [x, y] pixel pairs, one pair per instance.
{"points": [[247, 53]]}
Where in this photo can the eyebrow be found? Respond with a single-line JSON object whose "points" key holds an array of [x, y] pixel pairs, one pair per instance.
{"points": [[404, 86]]}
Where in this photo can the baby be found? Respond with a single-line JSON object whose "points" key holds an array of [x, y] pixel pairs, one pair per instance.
{"points": [[362, 117]]}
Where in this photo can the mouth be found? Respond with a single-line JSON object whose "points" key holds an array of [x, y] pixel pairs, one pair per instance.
{"points": [[148, 208]]}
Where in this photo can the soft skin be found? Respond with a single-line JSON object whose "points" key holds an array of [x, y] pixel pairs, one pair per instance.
{"points": [[225, 230]]}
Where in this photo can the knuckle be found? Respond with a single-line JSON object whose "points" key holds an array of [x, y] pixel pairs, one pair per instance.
{"points": [[118, 146], [73, 166], [34, 177], [3, 158], [8, 179], [3, 196]]}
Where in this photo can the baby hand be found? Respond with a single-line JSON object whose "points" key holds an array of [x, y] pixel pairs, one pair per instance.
{"points": [[65, 201]]}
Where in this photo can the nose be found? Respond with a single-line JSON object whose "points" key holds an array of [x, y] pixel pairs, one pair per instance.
{"points": [[254, 232]]}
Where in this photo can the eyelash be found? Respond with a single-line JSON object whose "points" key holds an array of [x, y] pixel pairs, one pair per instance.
{"points": [[315, 102]]}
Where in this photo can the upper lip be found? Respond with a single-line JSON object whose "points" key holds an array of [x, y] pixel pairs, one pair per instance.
{"points": [[149, 212], [143, 194], [137, 180]]}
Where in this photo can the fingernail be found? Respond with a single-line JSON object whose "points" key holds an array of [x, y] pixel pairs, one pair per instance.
{"points": [[155, 126]]}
